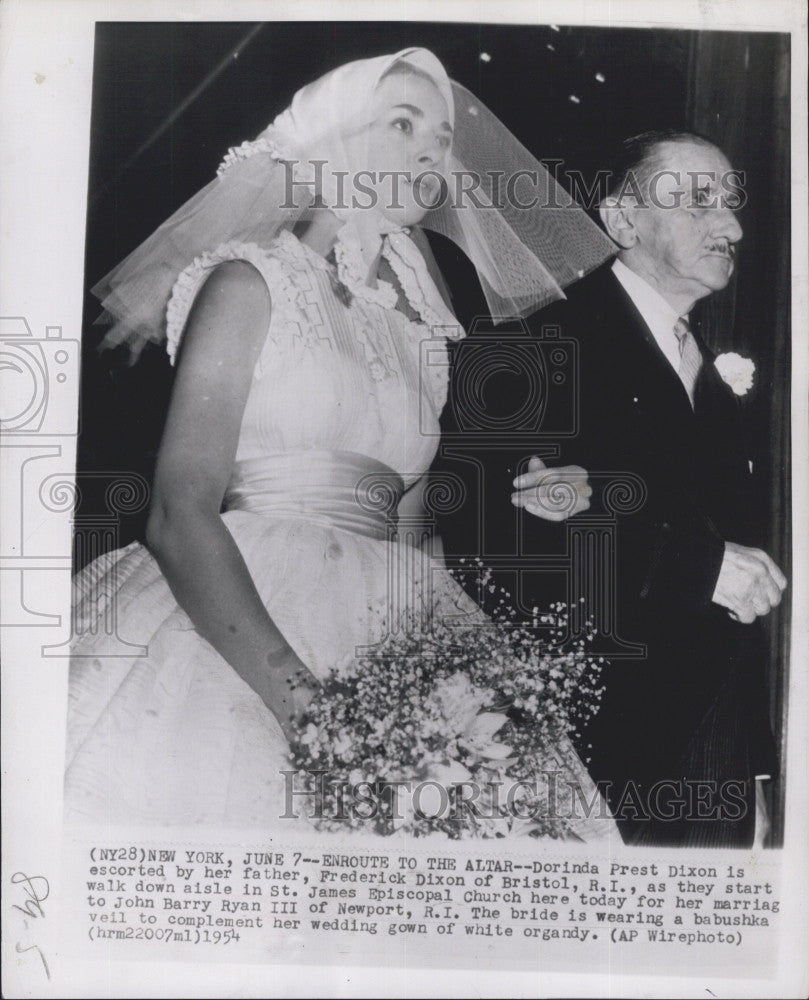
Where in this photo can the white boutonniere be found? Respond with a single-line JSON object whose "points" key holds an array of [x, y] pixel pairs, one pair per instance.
{"points": [[736, 371]]}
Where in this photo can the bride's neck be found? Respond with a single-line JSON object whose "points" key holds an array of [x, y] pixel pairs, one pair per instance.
{"points": [[318, 230]]}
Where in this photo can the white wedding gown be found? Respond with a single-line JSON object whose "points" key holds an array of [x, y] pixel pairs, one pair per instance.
{"points": [[341, 416]]}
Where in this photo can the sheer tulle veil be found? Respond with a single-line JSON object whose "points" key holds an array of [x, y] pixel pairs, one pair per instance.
{"points": [[497, 203]]}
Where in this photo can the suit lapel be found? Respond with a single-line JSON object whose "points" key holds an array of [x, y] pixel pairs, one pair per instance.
{"points": [[711, 391], [704, 444], [654, 377], [719, 418]]}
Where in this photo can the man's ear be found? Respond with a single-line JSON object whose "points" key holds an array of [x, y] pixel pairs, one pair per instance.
{"points": [[617, 218]]}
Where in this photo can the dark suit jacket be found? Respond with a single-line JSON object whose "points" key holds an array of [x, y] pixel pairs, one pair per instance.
{"points": [[693, 706]]}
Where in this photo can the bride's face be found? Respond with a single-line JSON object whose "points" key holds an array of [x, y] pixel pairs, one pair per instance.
{"points": [[409, 141]]}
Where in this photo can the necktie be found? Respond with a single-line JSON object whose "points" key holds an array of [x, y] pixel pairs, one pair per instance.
{"points": [[690, 357]]}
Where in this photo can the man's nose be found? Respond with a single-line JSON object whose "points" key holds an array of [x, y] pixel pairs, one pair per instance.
{"points": [[728, 225]]}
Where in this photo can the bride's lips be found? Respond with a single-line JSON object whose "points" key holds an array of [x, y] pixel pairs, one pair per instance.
{"points": [[429, 189]]}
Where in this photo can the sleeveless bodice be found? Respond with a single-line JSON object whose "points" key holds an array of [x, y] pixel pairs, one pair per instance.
{"points": [[340, 374]]}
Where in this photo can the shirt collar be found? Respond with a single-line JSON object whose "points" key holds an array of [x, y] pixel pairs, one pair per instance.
{"points": [[656, 312]]}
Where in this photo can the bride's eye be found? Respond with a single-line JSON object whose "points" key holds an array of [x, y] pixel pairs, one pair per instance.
{"points": [[403, 125]]}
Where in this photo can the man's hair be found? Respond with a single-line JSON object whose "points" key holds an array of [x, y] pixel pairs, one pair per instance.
{"points": [[637, 158]]}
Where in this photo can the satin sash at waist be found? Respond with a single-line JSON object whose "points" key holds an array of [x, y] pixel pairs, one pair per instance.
{"points": [[337, 488]]}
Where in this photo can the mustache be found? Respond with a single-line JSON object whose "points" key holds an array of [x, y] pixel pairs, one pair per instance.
{"points": [[723, 246]]}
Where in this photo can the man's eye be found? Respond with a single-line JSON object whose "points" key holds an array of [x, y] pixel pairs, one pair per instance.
{"points": [[444, 141], [403, 125]]}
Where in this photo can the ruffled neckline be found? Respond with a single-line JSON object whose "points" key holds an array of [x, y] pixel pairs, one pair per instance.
{"points": [[349, 269]]}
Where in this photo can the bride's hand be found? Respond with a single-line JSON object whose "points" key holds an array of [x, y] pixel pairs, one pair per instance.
{"points": [[291, 686], [552, 494]]}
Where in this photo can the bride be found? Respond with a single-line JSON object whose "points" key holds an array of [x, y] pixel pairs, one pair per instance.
{"points": [[296, 304]]}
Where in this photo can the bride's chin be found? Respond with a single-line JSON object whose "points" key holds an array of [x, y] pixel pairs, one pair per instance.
{"points": [[409, 215]]}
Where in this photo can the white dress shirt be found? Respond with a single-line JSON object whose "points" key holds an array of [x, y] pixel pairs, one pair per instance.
{"points": [[657, 314]]}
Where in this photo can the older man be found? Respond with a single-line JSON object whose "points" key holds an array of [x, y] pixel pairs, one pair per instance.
{"points": [[683, 731]]}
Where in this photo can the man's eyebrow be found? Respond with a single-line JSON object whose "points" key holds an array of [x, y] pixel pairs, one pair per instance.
{"points": [[418, 113]]}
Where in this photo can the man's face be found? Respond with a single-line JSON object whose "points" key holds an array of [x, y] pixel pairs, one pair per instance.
{"points": [[685, 238]]}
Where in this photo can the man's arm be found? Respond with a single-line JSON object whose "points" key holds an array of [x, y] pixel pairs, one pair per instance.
{"points": [[670, 552], [679, 561]]}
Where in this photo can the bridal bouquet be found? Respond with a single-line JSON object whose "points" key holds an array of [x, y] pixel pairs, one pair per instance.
{"points": [[461, 729]]}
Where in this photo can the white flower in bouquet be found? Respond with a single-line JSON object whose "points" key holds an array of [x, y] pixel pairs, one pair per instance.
{"points": [[736, 371], [343, 744], [458, 700], [461, 705], [479, 735]]}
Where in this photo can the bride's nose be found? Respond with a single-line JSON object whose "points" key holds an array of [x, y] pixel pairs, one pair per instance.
{"points": [[430, 154]]}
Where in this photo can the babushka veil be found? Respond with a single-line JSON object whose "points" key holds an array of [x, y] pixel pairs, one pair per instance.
{"points": [[498, 204]]}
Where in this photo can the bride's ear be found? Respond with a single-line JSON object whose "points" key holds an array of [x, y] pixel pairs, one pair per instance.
{"points": [[617, 217]]}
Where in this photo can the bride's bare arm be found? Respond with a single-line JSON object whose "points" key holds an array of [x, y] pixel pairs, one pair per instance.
{"points": [[195, 551]]}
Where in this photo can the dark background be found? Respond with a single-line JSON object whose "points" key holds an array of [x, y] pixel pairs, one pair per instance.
{"points": [[170, 98]]}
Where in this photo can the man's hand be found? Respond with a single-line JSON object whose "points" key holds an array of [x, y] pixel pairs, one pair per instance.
{"points": [[553, 494], [749, 584]]}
